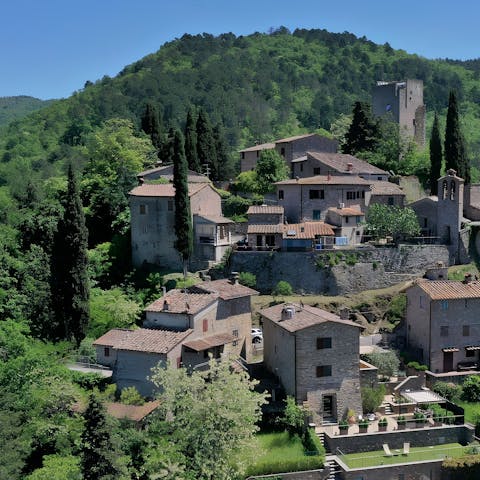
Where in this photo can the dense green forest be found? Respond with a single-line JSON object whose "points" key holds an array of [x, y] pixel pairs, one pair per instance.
{"points": [[234, 91], [14, 108]]}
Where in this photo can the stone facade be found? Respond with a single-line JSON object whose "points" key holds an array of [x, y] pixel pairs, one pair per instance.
{"points": [[315, 355], [442, 326], [403, 102]]}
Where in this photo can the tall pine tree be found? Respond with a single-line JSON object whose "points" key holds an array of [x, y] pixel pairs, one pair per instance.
{"points": [[191, 143], [183, 217], [152, 126], [70, 279], [224, 167], [435, 156], [97, 454], [207, 155], [362, 135], [455, 153]]}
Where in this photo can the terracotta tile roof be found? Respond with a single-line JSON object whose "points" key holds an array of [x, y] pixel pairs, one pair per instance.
{"points": [[265, 228], [263, 146], [180, 301], [304, 317], [135, 413], [152, 341], [386, 188], [166, 171], [164, 189], [215, 218], [449, 289], [205, 343], [113, 337], [340, 163], [225, 289], [307, 230], [296, 137], [265, 209], [327, 180], [347, 212]]}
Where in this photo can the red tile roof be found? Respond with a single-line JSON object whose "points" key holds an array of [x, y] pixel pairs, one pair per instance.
{"points": [[180, 301], [304, 317], [386, 188], [113, 337], [296, 137], [264, 209], [347, 212], [340, 163], [152, 340], [217, 219], [307, 230], [449, 289], [164, 189], [135, 413], [265, 228], [263, 146], [205, 343], [225, 289], [327, 180]]}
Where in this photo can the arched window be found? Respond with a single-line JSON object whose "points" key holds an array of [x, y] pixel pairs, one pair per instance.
{"points": [[444, 189], [452, 190]]}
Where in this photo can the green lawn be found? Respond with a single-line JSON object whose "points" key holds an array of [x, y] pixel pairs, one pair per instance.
{"points": [[472, 411], [417, 454], [278, 452]]}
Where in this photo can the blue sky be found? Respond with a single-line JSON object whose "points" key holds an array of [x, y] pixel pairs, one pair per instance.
{"points": [[50, 48]]}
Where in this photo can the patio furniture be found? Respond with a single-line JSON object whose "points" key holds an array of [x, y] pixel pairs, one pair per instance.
{"points": [[406, 448], [387, 451]]}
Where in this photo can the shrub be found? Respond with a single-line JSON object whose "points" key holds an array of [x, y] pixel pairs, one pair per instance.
{"points": [[248, 279], [448, 390], [294, 417], [131, 396], [312, 443], [382, 422], [372, 398], [417, 366], [464, 468], [387, 362], [363, 422], [401, 420], [282, 288], [471, 389]]}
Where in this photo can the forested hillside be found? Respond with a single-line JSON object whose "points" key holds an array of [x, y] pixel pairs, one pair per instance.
{"points": [[14, 108]]}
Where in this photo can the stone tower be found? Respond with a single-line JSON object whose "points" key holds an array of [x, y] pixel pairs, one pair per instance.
{"points": [[450, 209], [404, 102]]}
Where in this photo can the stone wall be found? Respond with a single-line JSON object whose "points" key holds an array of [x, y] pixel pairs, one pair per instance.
{"points": [[309, 272], [307, 475], [419, 437]]}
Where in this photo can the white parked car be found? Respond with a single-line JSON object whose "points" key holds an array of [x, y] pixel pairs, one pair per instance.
{"points": [[257, 335]]}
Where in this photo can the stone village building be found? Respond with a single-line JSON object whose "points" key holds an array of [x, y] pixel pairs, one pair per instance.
{"points": [[442, 319], [184, 327], [152, 209], [315, 356]]}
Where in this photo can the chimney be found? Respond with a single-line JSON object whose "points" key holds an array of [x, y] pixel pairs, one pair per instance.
{"points": [[288, 312], [344, 314], [349, 167], [468, 278], [141, 180], [341, 205], [234, 278], [166, 305]]}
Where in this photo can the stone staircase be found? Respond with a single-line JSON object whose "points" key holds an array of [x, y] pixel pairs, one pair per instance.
{"points": [[388, 408], [333, 467]]}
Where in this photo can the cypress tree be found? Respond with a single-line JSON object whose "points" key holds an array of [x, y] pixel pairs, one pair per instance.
{"points": [[435, 157], [455, 153], [207, 155], [70, 279], [97, 452], [183, 217], [224, 169], [362, 135], [152, 126], [191, 143]]}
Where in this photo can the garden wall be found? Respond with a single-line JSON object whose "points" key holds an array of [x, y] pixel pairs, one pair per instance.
{"points": [[307, 475], [361, 269]]}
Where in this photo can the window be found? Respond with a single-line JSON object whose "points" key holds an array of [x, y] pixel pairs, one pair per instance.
{"points": [[234, 343], [301, 167], [466, 330], [324, 371], [316, 171], [324, 342], [444, 304], [258, 153], [280, 194], [205, 325], [235, 333], [351, 195], [170, 206], [106, 351], [347, 219], [425, 222], [282, 151], [317, 194], [143, 209], [316, 214], [391, 201], [243, 155], [444, 331]]}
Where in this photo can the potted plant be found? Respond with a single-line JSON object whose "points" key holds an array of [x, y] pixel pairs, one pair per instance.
{"points": [[343, 426], [401, 422], [351, 416], [437, 419], [363, 425], [420, 419], [382, 425]]}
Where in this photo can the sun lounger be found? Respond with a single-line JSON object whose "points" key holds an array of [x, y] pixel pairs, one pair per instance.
{"points": [[406, 448], [387, 451]]}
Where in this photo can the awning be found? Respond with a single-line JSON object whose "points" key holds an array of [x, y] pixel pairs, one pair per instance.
{"points": [[209, 342], [422, 396], [450, 350], [472, 348]]}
